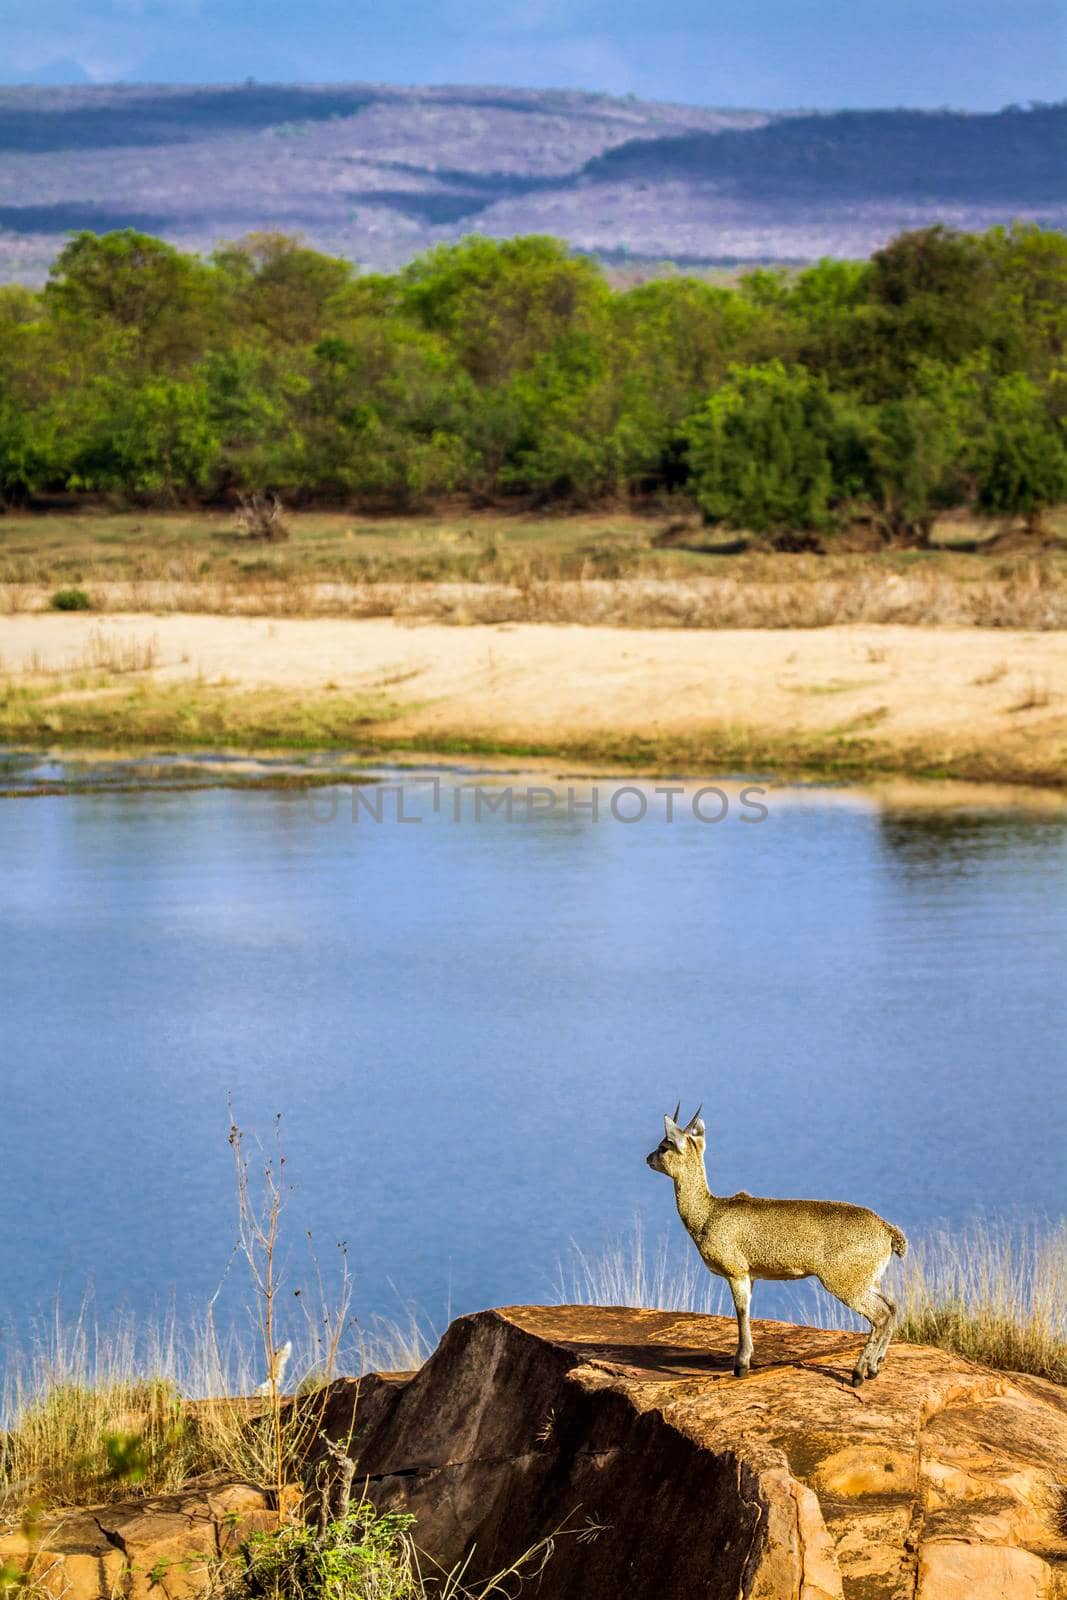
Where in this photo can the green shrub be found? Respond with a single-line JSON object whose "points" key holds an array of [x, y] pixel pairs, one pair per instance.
{"points": [[71, 600], [365, 1555], [761, 450], [362, 1556]]}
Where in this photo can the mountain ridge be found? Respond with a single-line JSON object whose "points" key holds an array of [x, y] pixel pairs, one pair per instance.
{"points": [[379, 173]]}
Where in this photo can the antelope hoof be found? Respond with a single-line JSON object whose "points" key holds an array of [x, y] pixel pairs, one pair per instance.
{"points": [[740, 1369], [857, 1378]]}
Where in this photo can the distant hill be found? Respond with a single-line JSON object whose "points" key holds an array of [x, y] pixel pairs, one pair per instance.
{"points": [[378, 173]]}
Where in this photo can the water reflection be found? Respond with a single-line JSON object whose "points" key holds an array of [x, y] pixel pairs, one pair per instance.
{"points": [[473, 1030], [966, 841]]}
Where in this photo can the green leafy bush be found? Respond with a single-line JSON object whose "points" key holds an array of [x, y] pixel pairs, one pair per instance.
{"points": [[71, 600], [1022, 458], [366, 1555], [362, 1557], [761, 450]]}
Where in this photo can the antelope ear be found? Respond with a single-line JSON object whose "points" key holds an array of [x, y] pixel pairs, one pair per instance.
{"points": [[696, 1128]]}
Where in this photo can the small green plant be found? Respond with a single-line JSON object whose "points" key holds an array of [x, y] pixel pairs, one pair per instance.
{"points": [[71, 600], [22, 1583], [367, 1555], [129, 1457], [361, 1555], [13, 1581]]}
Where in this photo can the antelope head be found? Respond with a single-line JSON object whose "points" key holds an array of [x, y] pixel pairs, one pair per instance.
{"points": [[679, 1147]]}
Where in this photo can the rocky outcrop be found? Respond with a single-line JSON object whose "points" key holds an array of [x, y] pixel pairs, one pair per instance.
{"points": [[159, 1549], [939, 1481], [625, 1433]]}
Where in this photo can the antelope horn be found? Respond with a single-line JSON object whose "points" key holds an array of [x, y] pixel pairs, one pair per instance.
{"points": [[677, 1109], [695, 1115]]}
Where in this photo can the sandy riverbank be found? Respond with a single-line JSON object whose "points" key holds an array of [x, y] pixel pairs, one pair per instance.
{"points": [[971, 702]]}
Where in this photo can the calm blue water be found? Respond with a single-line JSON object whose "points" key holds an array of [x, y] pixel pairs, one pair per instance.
{"points": [[472, 1031]]}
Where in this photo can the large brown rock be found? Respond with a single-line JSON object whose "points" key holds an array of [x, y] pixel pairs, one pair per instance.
{"points": [[939, 1481], [671, 1478]]}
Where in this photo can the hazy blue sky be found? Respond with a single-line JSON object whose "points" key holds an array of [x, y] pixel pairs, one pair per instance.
{"points": [[773, 53]]}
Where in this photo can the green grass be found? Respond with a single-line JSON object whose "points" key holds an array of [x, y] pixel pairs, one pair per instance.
{"points": [[189, 715]]}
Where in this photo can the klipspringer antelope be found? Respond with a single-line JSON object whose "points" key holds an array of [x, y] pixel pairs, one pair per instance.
{"points": [[741, 1238]]}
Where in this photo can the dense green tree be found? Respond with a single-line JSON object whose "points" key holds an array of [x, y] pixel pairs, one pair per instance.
{"points": [[18, 307], [1021, 459], [672, 342], [931, 376], [937, 293], [821, 295], [382, 414], [129, 283], [930, 295], [766, 287], [761, 450], [275, 287], [155, 439], [251, 403], [565, 444], [1031, 267], [500, 305], [912, 466]]}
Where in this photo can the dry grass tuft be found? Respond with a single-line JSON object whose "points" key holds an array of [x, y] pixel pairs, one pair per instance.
{"points": [[752, 592], [627, 1273], [95, 1413], [997, 1295], [499, 567], [1035, 697], [91, 1416], [109, 653]]}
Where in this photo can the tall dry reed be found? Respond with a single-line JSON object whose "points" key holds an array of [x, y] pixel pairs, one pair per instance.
{"points": [[91, 1410]]}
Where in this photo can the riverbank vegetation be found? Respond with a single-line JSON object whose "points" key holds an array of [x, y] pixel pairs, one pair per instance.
{"points": [[618, 568], [842, 703], [851, 398], [202, 718]]}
